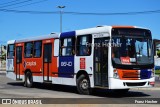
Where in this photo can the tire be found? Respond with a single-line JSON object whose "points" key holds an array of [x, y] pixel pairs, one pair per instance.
{"points": [[25, 85], [28, 80], [121, 91], [83, 85]]}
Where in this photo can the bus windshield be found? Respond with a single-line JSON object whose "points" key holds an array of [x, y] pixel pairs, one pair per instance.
{"points": [[132, 50]]}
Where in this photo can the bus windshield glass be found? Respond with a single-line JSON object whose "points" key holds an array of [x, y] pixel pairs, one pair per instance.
{"points": [[132, 50]]}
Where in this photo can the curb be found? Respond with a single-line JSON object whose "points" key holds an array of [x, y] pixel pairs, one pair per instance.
{"points": [[154, 88], [2, 69], [157, 77], [2, 72]]}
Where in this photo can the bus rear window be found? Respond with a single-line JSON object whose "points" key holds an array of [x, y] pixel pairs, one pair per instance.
{"points": [[10, 51]]}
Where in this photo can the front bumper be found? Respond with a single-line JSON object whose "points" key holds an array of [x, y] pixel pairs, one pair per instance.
{"points": [[124, 84]]}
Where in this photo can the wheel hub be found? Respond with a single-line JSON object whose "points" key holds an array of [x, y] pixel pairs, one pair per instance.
{"points": [[84, 84]]}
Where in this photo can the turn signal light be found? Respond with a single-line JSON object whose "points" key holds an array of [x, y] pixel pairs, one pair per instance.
{"points": [[151, 83]]}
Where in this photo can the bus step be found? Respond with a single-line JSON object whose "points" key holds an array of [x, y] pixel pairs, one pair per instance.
{"points": [[48, 82], [18, 79]]}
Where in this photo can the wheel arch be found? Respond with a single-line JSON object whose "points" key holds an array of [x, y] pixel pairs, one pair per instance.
{"points": [[82, 72], [27, 70]]}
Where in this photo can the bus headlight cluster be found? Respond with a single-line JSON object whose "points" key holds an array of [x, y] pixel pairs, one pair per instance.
{"points": [[115, 74]]}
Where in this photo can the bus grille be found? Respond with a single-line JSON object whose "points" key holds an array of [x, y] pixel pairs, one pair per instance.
{"points": [[135, 84], [134, 74], [130, 75]]}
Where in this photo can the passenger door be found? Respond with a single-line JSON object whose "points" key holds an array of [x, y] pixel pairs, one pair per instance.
{"points": [[18, 62], [47, 61], [101, 62]]}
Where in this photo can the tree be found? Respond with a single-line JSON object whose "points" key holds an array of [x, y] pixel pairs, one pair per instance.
{"points": [[158, 53]]}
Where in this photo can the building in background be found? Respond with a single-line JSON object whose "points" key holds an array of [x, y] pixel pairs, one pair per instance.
{"points": [[158, 47], [156, 43], [2, 57]]}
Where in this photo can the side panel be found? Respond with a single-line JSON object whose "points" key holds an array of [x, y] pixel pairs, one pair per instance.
{"points": [[89, 65], [54, 67], [33, 63], [83, 61], [66, 67], [10, 65], [66, 63], [10, 61], [85, 65]]}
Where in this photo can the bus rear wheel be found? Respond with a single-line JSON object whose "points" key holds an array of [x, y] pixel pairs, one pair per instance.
{"points": [[83, 85], [28, 80]]}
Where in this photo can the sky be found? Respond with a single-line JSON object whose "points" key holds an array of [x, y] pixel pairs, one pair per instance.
{"points": [[24, 25]]}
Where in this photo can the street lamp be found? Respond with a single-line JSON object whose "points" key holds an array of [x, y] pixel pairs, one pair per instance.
{"points": [[61, 12]]}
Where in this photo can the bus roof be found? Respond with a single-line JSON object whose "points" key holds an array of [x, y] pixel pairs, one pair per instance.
{"points": [[52, 35], [129, 27], [11, 42], [94, 30], [103, 29]]}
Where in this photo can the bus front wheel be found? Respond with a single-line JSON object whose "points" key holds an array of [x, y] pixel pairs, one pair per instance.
{"points": [[28, 80], [83, 85]]}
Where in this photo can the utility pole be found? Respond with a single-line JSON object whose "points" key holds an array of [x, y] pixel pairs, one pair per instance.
{"points": [[61, 12], [1, 56]]}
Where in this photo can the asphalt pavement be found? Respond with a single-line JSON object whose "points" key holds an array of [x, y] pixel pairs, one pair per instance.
{"points": [[61, 93]]}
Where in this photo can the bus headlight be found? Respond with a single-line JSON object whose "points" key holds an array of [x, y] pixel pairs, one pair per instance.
{"points": [[115, 74]]}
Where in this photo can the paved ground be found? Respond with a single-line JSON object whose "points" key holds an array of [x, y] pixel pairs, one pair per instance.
{"points": [[14, 89], [10, 88]]}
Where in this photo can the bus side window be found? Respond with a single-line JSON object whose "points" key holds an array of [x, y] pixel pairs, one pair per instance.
{"points": [[67, 46], [10, 51], [37, 49], [28, 49], [82, 48]]}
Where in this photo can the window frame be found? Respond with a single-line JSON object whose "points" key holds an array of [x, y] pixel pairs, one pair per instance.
{"points": [[78, 45], [72, 46], [19, 56], [25, 50], [34, 50], [56, 49], [45, 55], [8, 51]]}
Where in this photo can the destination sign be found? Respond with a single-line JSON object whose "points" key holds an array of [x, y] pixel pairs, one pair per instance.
{"points": [[130, 32]]}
